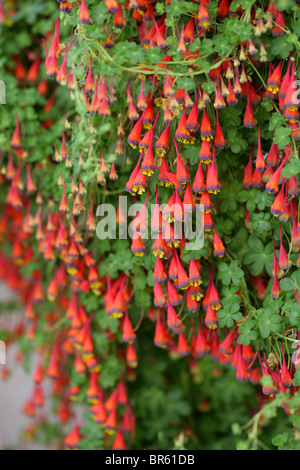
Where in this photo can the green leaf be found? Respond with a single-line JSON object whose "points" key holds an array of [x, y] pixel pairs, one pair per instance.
{"points": [[186, 83], [268, 322], [236, 429], [280, 440], [246, 332], [281, 47], [191, 153], [291, 168], [259, 257], [176, 9], [229, 315], [296, 379], [287, 284], [282, 136], [230, 273]]}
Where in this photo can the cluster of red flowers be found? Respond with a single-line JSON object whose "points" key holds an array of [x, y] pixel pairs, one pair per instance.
{"points": [[192, 118]]}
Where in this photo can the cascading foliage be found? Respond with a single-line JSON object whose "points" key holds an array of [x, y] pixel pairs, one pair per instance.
{"points": [[182, 105]]}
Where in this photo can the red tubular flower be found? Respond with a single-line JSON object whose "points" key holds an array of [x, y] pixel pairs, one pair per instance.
{"points": [[211, 320], [192, 121], [285, 82], [89, 86], [181, 173], [248, 173], [128, 335], [181, 48], [159, 246], [61, 76], [199, 185], [182, 278], [203, 20], [20, 71], [274, 80], [272, 184], [241, 372], [168, 87], [275, 290], [183, 348], [119, 441], [222, 12], [226, 347], [166, 178], [160, 339], [277, 205], [191, 303], [237, 86], [211, 297], [231, 98], [212, 183], [33, 72], [159, 36], [42, 87], [219, 249], [54, 50], [219, 102], [206, 202], [284, 262], [111, 5], [206, 131], [182, 134], [159, 273], [111, 421], [272, 157], [162, 144], [219, 141], [194, 274], [285, 375], [293, 189], [159, 296], [72, 439], [205, 153], [63, 207], [98, 411], [247, 353], [249, 119], [201, 346], [79, 366], [148, 115], [168, 116], [260, 161], [147, 163], [137, 246], [189, 32], [295, 131], [113, 176], [279, 27], [173, 321], [15, 140], [173, 296], [224, 89], [30, 186], [142, 102], [84, 15], [188, 201], [38, 373], [208, 222], [156, 216], [288, 100]]}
